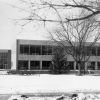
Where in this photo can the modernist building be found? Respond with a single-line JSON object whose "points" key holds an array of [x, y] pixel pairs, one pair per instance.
{"points": [[37, 55], [5, 59]]}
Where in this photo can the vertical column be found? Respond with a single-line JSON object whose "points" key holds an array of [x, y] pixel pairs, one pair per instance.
{"points": [[86, 65], [17, 53], [74, 65], [40, 65], [96, 67], [29, 65]]}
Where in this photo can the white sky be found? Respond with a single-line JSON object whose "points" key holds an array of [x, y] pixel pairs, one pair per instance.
{"points": [[9, 31]]}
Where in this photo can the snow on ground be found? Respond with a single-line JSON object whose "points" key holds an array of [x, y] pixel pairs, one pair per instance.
{"points": [[46, 83]]}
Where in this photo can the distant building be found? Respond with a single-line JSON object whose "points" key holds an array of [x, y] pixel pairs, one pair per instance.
{"points": [[5, 59], [37, 55]]}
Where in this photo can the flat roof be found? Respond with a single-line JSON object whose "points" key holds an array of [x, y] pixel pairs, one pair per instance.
{"points": [[48, 42]]}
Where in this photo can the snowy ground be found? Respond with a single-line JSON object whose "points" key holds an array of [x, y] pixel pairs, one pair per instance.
{"points": [[14, 84]]}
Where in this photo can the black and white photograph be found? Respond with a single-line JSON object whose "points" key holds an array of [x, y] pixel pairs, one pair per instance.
{"points": [[49, 49]]}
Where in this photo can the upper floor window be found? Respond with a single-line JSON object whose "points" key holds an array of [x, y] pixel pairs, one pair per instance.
{"points": [[93, 51], [98, 51], [24, 49], [46, 50], [35, 50]]}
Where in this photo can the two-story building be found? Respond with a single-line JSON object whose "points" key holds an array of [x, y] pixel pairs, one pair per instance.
{"points": [[37, 55]]}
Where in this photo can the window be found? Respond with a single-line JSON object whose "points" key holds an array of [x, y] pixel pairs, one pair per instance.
{"points": [[71, 65], [91, 66], [3, 60], [88, 51], [47, 50], [22, 65], [35, 50], [34, 65], [93, 51], [24, 49], [98, 64], [44, 50], [46, 65], [98, 51]]}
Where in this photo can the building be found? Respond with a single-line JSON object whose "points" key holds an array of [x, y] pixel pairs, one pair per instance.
{"points": [[5, 59], [36, 55]]}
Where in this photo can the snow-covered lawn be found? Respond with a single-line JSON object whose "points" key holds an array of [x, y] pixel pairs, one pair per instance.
{"points": [[46, 83]]}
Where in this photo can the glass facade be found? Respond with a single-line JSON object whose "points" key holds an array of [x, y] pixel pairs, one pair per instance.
{"points": [[5, 60], [30, 64], [36, 49]]}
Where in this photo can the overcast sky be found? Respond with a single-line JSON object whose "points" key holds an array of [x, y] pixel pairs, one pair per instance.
{"points": [[9, 31]]}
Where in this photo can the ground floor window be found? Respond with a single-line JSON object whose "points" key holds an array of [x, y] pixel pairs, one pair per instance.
{"points": [[91, 66], [46, 65], [3, 64], [82, 65], [22, 65], [71, 65], [98, 65], [34, 65]]}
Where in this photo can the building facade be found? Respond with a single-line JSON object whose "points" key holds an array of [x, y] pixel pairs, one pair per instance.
{"points": [[5, 59], [37, 55]]}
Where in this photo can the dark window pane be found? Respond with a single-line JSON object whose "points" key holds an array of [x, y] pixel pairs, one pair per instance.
{"points": [[91, 66], [93, 51], [34, 65], [88, 51], [35, 50], [32, 50], [38, 50], [46, 65], [22, 65], [24, 49], [44, 50], [71, 65], [49, 50], [98, 64], [98, 51]]}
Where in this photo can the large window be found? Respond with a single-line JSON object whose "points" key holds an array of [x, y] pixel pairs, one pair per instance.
{"points": [[24, 49], [47, 50], [34, 65], [91, 65], [98, 51], [35, 50], [3, 60], [98, 65], [71, 65], [93, 51], [46, 65], [22, 65], [88, 51]]}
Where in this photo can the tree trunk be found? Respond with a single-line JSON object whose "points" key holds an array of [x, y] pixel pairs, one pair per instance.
{"points": [[79, 68]]}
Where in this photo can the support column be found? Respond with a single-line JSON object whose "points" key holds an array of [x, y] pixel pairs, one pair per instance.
{"points": [[96, 67], [40, 65], [29, 65], [86, 65], [75, 65]]}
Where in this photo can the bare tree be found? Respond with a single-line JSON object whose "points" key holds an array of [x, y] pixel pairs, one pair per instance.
{"points": [[77, 20], [59, 60], [78, 39], [42, 10]]}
